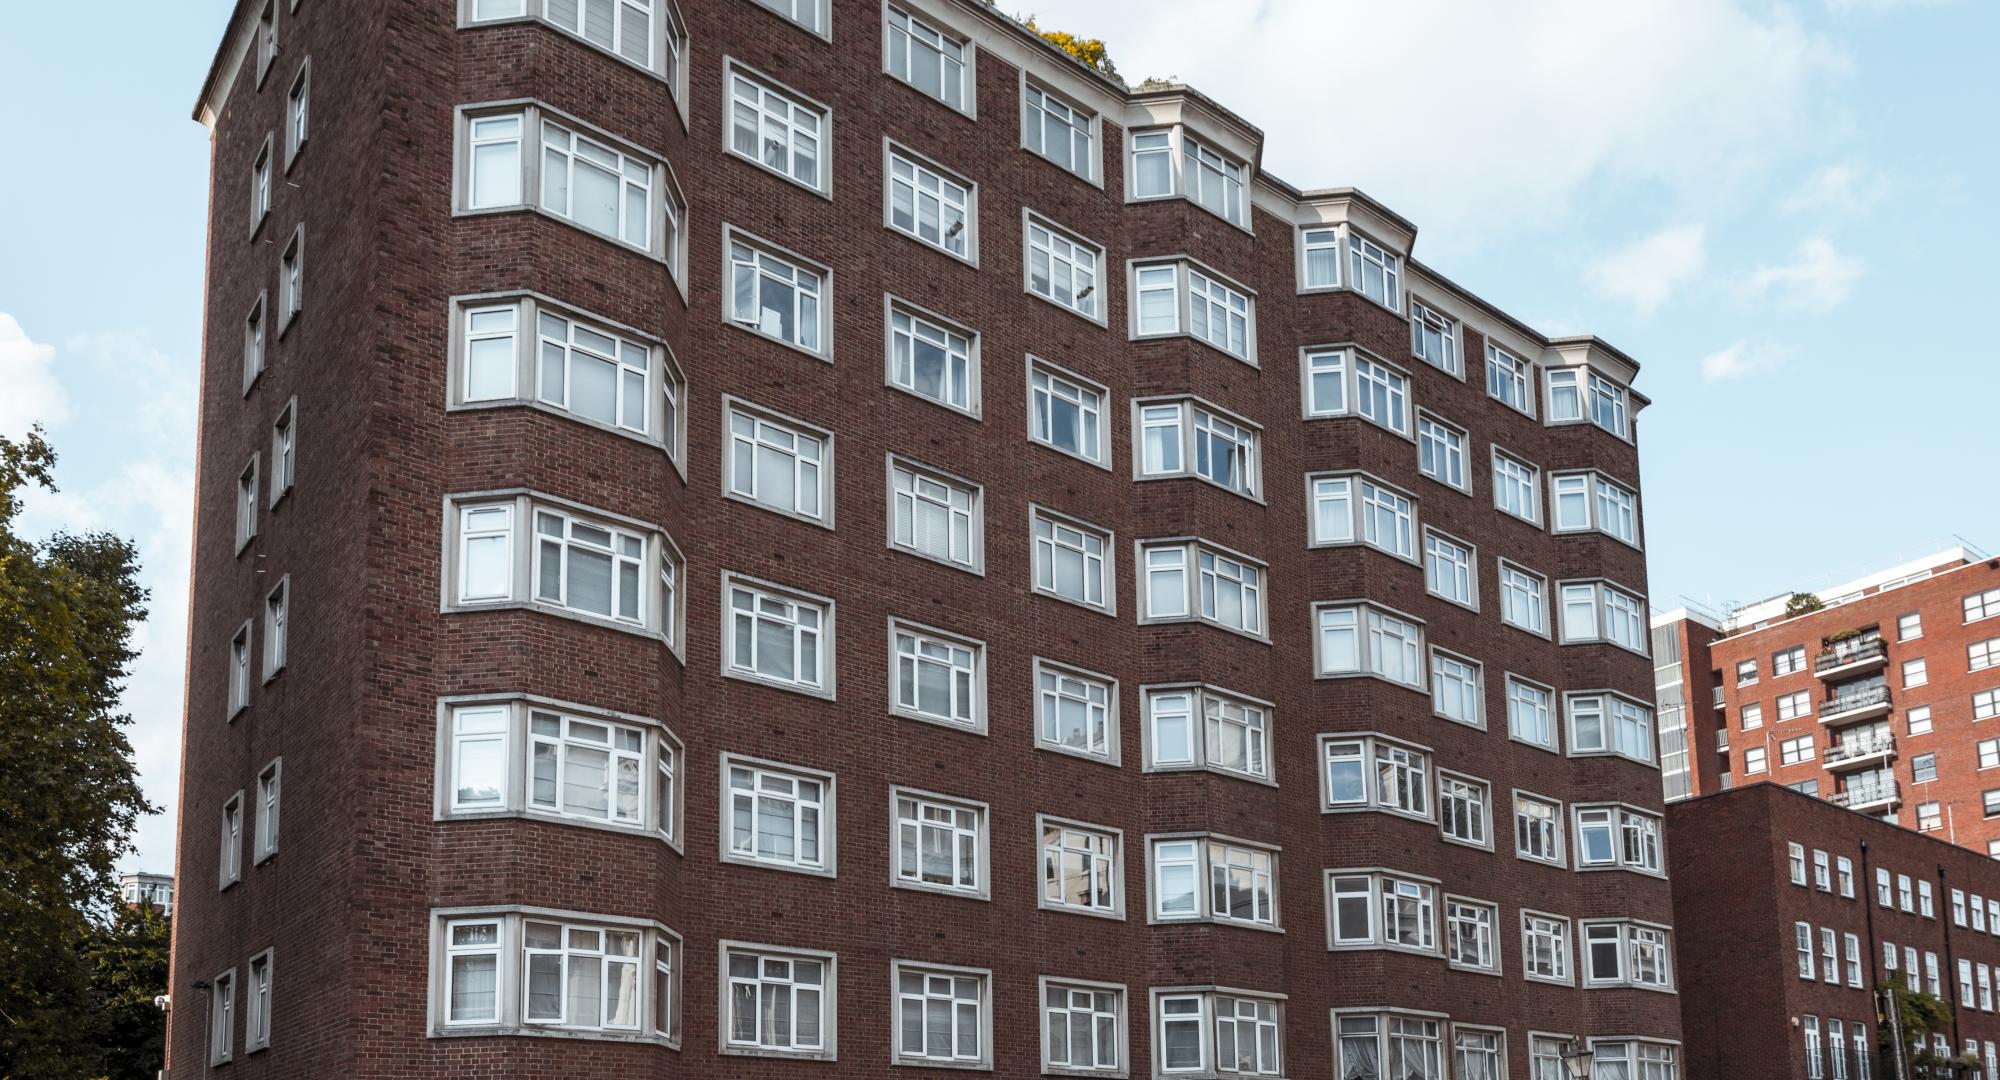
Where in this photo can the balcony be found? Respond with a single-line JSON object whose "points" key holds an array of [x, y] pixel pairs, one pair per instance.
{"points": [[1857, 656], [1860, 705], [1857, 752], [1868, 796], [1718, 697], [1722, 740]]}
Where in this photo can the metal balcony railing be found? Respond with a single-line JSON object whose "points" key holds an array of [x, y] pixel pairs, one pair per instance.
{"points": [[1866, 794], [1718, 697], [1850, 749], [1854, 700], [1850, 652]]}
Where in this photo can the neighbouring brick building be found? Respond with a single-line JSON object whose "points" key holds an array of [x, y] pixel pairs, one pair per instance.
{"points": [[1794, 913], [1879, 701], [752, 540]]}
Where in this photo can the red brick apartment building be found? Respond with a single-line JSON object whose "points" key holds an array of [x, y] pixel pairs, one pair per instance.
{"points": [[756, 540], [1795, 912], [1878, 702]]}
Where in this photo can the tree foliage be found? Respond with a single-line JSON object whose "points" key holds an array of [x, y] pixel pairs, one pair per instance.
{"points": [[1091, 52], [1920, 1014], [1802, 603], [69, 795]]}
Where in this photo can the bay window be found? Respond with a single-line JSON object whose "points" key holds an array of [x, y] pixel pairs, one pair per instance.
{"points": [[644, 33], [1618, 837], [1200, 173], [1591, 502], [1601, 611], [1369, 909], [1198, 878], [1181, 297], [534, 550], [508, 971], [1607, 723], [1357, 508], [1189, 437], [1191, 579], [1210, 1032], [511, 755], [1378, 1046], [1622, 953], [1361, 639], [1202, 727], [1374, 772], [1344, 380]]}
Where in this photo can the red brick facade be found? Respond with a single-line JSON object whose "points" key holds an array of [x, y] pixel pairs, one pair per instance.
{"points": [[1747, 873], [369, 849]]}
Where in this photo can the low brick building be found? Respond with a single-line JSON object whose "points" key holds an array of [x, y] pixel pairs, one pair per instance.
{"points": [[1794, 913]]}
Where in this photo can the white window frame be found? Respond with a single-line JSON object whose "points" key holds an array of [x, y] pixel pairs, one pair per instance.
{"points": [[1620, 822], [257, 1002], [1370, 624], [291, 279], [267, 797], [1534, 587], [1472, 683], [284, 452], [1627, 932], [827, 993], [941, 181], [1197, 290], [1049, 990], [915, 18], [1482, 794], [810, 16], [778, 110], [1213, 852], [277, 626], [263, 173], [926, 641], [1060, 525], [1180, 146], [1069, 387], [1447, 557], [247, 483], [1205, 570], [1193, 420], [229, 861], [666, 34], [1201, 748], [520, 553], [1616, 741], [1425, 315], [241, 645], [763, 261], [1515, 371], [493, 733], [1596, 490], [922, 490], [1379, 757], [787, 429], [767, 780], [980, 839], [952, 977], [1602, 596], [256, 339], [759, 591], [1488, 941], [1203, 1007], [1089, 302], [1442, 449], [1537, 925], [1380, 889], [1037, 99], [1366, 499], [1523, 477], [1556, 828], [1547, 717], [1420, 1042], [1343, 362], [907, 326], [222, 1004], [1105, 856], [1054, 673]]}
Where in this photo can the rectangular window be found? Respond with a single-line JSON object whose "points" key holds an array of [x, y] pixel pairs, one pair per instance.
{"points": [[1358, 508], [268, 780], [1223, 589], [1618, 837], [1365, 640], [778, 816], [1795, 751], [1373, 772], [1982, 605], [576, 366], [1344, 381], [1412, 1046], [1457, 689], [1545, 948], [778, 129], [586, 769], [778, 296], [1565, 395], [810, 14], [1381, 910], [260, 187], [1063, 268], [941, 843], [253, 343], [1319, 258], [932, 205], [1524, 599], [1450, 569], [1083, 1028], [1076, 711], [284, 451], [1789, 661], [1609, 724], [1179, 297], [936, 515], [1207, 728], [1465, 809], [1538, 829], [1517, 488], [590, 568], [1059, 130], [1066, 413], [1607, 405], [1844, 870], [581, 977], [239, 671], [779, 463], [1796, 854], [1471, 938], [277, 621], [1600, 611], [1746, 672], [926, 58], [1751, 716], [1083, 867], [1985, 706], [1241, 881], [1587, 501], [1441, 452], [942, 1015], [1914, 673], [779, 637], [291, 279], [628, 29], [777, 1001], [939, 677], [229, 868], [1852, 945], [1191, 438], [257, 1004], [569, 765], [588, 179], [1529, 710], [1981, 655], [1923, 768], [933, 359], [1374, 271], [1507, 378], [1795, 706], [1072, 560], [222, 1016], [1434, 337], [1214, 182]]}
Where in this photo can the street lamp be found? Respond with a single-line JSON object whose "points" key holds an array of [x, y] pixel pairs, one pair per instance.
{"points": [[1576, 1060]]}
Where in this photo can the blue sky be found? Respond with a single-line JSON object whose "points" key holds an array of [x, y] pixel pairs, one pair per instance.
{"points": [[1784, 211]]}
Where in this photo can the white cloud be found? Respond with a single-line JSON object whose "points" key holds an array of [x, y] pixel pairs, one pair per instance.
{"points": [[27, 371], [1477, 120], [1843, 189], [1647, 272], [1816, 280], [1743, 358]]}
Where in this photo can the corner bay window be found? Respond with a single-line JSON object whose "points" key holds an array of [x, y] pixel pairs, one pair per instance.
{"points": [[517, 756], [1627, 954], [1190, 580], [1617, 836], [586, 178], [1358, 508], [1207, 728], [529, 351], [529, 549], [1601, 611], [1609, 724], [1391, 1046], [1361, 639], [1227, 1031], [1199, 878], [572, 973], [1588, 501], [1382, 910], [1373, 772], [1191, 438], [1183, 298], [1345, 381], [1204, 176]]}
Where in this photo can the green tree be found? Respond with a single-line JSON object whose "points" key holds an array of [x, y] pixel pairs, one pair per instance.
{"points": [[1802, 603], [69, 795], [1090, 52], [127, 962], [1920, 1015]]}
